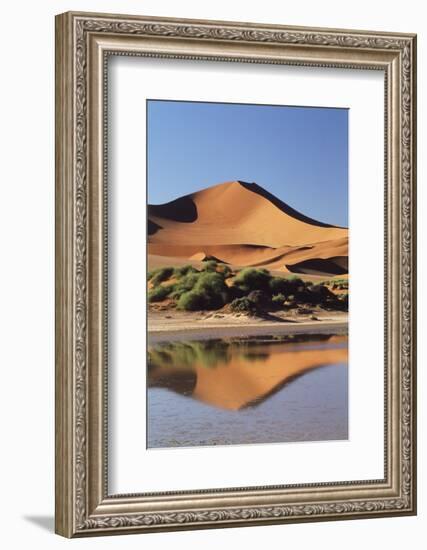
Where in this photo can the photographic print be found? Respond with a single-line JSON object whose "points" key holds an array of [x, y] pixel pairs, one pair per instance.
{"points": [[248, 282]]}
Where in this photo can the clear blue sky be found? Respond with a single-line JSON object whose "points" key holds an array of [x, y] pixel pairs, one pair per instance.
{"points": [[300, 154]]}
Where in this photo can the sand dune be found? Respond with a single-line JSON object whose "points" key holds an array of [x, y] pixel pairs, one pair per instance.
{"points": [[244, 225]]}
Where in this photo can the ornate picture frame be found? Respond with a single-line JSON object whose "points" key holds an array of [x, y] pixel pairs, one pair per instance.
{"points": [[84, 42]]}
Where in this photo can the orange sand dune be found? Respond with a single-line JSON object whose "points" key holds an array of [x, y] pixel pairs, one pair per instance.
{"points": [[242, 224]]}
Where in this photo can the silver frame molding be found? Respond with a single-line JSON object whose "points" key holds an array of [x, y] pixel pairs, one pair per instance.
{"points": [[83, 43]]}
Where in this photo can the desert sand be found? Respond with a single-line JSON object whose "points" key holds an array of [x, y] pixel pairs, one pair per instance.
{"points": [[242, 224], [177, 326]]}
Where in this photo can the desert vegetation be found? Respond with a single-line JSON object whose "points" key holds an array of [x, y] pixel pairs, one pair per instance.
{"points": [[337, 284], [251, 291]]}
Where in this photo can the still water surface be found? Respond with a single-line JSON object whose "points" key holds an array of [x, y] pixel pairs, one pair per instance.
{"points": [[253, 390]]}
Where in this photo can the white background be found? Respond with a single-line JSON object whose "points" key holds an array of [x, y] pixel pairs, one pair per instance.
{"points": [[133, 468], [27, 274]]}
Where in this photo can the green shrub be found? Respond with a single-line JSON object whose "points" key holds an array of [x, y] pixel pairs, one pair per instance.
{"points": [[213, 286], [320, 294], [159, 293], [224, 269], [191, 301], [161, 275], [286, 286], [260, 298], [203, 290], [205, 282], [210, 265], [190, 280], [294, 278], [252, 279], [243, 305], [340, 284], [278, 299], [235, 292], [304, 296], [183, 270], [279, 285], [211, 281], [185, 284]]}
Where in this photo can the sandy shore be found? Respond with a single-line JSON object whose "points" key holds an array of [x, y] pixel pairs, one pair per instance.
{"points": [[202, 327]]}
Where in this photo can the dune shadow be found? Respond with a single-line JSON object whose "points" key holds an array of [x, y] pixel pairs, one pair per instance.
{"points": [[255, 188], [152, 227], [181, 210], [319, 266]]}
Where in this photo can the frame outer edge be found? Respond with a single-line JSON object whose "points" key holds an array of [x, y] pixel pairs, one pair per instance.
{"points": [[413, 253], [415, 266], [64, 237], [73, 517], [233, 24]]}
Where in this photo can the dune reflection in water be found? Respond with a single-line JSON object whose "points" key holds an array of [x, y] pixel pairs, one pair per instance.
{"points": [[247, 391]]}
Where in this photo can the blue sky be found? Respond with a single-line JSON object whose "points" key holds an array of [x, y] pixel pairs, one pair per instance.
{"points": [[300, 154]]}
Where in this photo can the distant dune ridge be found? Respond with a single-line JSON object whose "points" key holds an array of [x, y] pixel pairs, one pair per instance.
{"points": [[242, 224]]}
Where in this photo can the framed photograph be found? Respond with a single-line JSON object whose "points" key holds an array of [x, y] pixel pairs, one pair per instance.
{"points": [[235, 274]]}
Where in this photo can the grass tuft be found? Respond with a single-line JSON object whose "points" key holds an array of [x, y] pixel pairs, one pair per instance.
{"points": [[159, 293], [160, 275]]}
